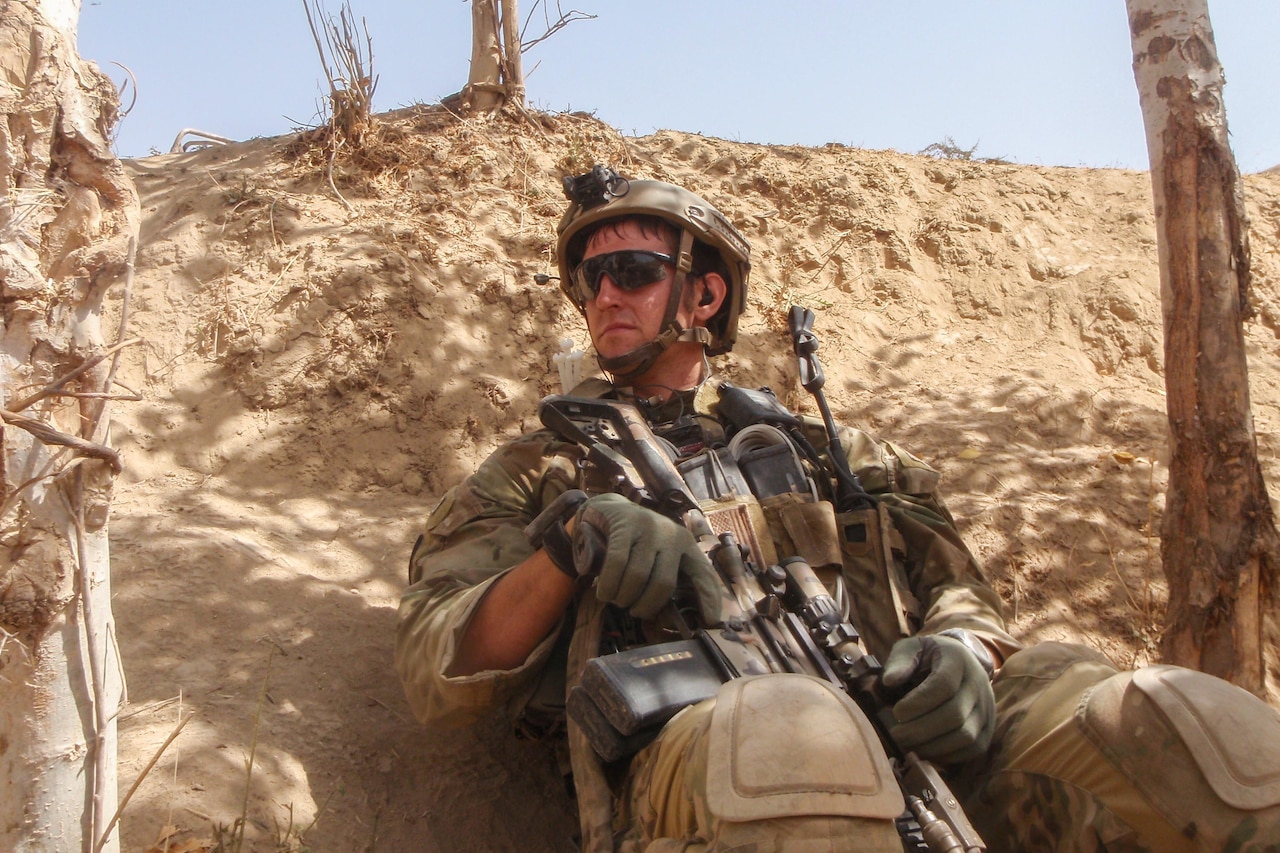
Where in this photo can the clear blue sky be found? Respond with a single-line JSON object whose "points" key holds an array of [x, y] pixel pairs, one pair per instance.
{"points": [[1034, 81]]}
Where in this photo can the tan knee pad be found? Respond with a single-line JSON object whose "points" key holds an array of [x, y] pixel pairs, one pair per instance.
{"points": [[1203, 752], [790, 745]]}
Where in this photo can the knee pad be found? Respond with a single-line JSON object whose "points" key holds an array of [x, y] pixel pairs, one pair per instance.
{"points": [[1203, 752], [790, 745]]}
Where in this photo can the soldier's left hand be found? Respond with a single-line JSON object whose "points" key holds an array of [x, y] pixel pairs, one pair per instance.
{"points": [[948, 713]]}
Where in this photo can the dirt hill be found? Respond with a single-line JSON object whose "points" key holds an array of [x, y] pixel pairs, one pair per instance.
{"points": [[323, 360]]}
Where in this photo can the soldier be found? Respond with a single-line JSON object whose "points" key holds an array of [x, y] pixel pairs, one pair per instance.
{"points": [[1049, 747]]}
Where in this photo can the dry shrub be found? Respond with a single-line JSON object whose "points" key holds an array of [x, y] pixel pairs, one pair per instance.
{"points": [[348, 66]]}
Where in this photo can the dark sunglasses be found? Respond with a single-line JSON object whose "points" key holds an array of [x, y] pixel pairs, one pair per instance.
{"points": [[629, 270]]}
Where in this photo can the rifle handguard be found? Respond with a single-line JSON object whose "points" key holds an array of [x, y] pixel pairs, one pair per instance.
{"points": [[547, 531]]}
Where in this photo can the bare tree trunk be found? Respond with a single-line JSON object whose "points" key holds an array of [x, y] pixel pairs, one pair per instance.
{"points": [[484, 90], [497, 74], [1219, 546], [68, 215], [513, 73]]}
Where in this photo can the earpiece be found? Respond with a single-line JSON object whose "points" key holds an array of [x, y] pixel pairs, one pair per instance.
{"points": [[707, 296]]}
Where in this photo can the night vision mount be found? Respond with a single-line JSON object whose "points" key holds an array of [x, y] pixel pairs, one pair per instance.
{"points": [[595, 188]]}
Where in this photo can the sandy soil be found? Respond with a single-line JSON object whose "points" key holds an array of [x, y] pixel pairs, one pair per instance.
{"points": [[318, 369]]}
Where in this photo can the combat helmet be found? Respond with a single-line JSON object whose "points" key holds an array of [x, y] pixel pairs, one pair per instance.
{"points": [[601, 195]]}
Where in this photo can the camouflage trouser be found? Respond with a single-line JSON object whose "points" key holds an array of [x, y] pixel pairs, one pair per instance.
{"points": [[1086, 758], [773, 764]]}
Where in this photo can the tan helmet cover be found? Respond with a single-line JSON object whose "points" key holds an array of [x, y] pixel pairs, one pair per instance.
{"points": [[691, 215]]}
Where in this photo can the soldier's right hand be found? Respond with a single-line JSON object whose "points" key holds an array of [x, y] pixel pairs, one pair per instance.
{"points": [[639, 555]]}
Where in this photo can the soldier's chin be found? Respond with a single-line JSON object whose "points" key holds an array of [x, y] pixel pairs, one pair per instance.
{"points": [[613, 346]]}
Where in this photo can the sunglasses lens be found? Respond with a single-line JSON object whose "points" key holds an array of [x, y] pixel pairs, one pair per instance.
{"points": [[629, 270]]}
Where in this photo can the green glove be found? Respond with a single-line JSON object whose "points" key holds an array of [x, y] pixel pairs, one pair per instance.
{"points": [[948, 711], [639, 556]]}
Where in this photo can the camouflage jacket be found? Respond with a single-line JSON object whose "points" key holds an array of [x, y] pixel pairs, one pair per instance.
{"points": [[912, 574]]}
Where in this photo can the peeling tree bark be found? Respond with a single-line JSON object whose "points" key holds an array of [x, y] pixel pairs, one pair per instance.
{"points": [[497, 76], [68, 214], [513, 67], [484, 84], [1219, 542]]}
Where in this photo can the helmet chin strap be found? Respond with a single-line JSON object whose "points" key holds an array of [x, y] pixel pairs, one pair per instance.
{"points": [[631, 364]]}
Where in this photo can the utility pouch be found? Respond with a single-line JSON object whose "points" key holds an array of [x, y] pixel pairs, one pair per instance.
{"points": [[623, 699], [804, 528], [876, 578]]}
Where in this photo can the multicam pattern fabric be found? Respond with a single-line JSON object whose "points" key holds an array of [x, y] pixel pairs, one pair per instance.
{"points": [[1057, 779], [665, 804], [1035, 812], [475, 534], [1043, 787]]}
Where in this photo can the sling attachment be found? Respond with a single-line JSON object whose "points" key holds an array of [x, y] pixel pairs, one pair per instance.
{"points": [[548, 532], [595, 798]]}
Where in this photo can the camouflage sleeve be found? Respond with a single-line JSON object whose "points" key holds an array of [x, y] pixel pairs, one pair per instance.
{"points": [[472, 537], [942, 573]]}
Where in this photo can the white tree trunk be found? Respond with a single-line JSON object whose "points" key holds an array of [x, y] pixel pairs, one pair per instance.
{"points": [[484, 84], [497, 73], [68, 213]]}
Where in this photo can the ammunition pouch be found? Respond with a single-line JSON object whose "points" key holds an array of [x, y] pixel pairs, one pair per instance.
{"points": [[623, 699], [876, 577]]}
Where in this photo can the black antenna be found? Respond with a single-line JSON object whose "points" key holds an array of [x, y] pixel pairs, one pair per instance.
{"points": [[849, 492]]}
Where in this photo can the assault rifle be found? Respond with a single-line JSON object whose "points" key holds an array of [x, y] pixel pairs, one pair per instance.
{"points": [[777, 618]]}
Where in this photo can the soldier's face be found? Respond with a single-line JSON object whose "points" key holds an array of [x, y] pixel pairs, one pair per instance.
{"points": [[622, 320]]}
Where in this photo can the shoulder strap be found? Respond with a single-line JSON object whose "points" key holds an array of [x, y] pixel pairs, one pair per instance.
{"points": [[595, 799]]}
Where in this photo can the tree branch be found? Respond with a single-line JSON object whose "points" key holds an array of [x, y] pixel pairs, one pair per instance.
{"points": [[564, 19], [45, 433]]}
